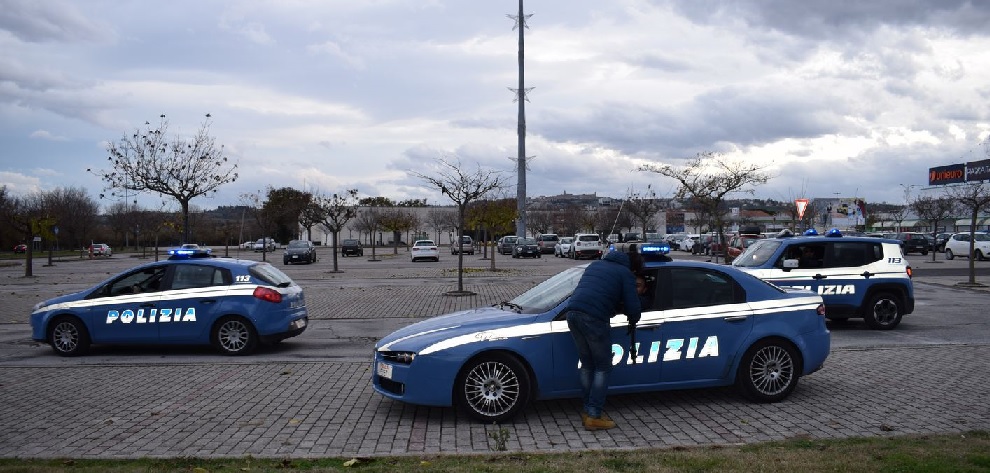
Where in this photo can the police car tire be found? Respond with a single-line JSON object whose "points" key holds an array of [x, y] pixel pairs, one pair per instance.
{"points": [[493, 387], [883, 312], [769, 371], [68, 336], [233, 335]]}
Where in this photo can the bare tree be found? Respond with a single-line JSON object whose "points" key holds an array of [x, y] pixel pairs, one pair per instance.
{"points": [[148, 161], [933, 210], [75, 213], [462, 188], [440, 220], [708, 178], [643, 207], [28, 217], [367, 220], [264, 215], [335, 211], [973, 197], [395, 221], [539, 221], [494, 217]]}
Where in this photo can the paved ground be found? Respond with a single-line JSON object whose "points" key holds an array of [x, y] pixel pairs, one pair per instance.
{"points": [[929, 375]]}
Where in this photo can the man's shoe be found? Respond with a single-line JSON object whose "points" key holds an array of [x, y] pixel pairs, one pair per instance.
{"points": [[585, 416], [598, 423]]}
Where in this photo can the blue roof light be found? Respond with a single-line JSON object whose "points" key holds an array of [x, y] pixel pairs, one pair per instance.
{"points": [[187, 253], [811, 232], [834, 233]]}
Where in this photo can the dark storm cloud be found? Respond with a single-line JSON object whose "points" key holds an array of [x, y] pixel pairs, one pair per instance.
{"points": [[42, 21], [744, 117], [841, 20]]}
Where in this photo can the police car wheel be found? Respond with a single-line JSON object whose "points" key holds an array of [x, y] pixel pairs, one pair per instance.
{"points": [[883, 312], [234, 336], [769, 371], [493, 387], [68, 336]]}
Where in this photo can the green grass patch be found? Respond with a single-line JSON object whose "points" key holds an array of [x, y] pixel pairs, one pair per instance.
{"points": [[924, 453]]}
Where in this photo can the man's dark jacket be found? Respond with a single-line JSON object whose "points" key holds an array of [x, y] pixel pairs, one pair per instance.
{"points": [[607, 286]]}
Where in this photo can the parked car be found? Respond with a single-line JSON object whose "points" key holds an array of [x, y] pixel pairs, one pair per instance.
{"points": [[940, 239], [264, 244], [586, 245], [351, 247], [738, 244], [247, 245], [299, 251], [688, 241], [100, 249], [859, 277], [22, 248], [188, 299], [958, 245], [546, 242], [466, 246], [710, 326], [506, 243], [563, 247], [914, 242], [525, 248], [424, 249]]}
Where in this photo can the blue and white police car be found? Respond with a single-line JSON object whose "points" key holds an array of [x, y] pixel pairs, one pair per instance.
{"points": [[708, 325], [858, 277], [188, 299]]}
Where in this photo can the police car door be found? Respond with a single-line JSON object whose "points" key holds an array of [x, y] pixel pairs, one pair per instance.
{"points": [[189, 307], [124, 308], [705, 319], [626, 372]]}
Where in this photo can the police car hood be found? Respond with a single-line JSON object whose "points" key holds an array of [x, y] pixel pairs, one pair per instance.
{"points": [[75, 296], [458, 325]]}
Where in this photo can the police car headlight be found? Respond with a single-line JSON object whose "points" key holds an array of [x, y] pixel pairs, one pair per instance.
{"points": [[403, 357]]}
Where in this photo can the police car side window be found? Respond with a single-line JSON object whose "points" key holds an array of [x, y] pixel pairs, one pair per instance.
{"points": [[190, 276], [696, 287]]}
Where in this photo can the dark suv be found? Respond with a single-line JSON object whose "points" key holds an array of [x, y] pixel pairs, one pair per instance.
{"points": [[912, 242], [351, 247]]}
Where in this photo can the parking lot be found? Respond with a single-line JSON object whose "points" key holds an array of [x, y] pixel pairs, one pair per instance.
{"points": [[312, 396]]}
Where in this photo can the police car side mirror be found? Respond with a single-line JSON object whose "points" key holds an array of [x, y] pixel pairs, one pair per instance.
{"points": [[790, 264]]}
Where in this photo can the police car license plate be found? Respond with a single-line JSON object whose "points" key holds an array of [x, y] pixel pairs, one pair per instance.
{"points": [[385, 370]]}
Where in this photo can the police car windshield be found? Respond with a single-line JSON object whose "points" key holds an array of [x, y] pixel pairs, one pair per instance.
{"points": [[757, 254], [270, 275], [550, 293]]}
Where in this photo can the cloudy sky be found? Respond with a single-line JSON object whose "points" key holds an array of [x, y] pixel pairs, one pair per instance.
{"points": [[832, 96]]}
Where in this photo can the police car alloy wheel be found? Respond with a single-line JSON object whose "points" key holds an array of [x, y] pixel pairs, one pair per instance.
{"points": [[234, 336], [883, 312], [493, 387], [768, 371], [68, 337]]}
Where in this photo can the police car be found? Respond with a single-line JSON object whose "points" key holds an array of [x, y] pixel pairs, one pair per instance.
{"points": [[707, 325], [190, 298], [858, 277]]}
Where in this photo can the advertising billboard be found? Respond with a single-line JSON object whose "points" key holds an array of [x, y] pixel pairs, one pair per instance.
{"points": [[978, 170], [951, 174]]}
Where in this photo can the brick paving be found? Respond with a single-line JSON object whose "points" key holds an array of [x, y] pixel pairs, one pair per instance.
{"points": [[320, 408]]}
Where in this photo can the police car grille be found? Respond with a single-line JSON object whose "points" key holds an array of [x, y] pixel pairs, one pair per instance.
{"points": [[393, 387]]}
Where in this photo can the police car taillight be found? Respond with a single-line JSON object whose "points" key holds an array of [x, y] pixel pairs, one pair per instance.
{"points": [[268, 294], [821, 310], [910, 272]]}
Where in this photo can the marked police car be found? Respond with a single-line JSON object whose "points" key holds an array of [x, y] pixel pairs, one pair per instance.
{"points": [[188, 299], [707, 325], [858, 277]]}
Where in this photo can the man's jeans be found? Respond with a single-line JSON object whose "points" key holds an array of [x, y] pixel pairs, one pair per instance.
{"points": [[594, 346]]}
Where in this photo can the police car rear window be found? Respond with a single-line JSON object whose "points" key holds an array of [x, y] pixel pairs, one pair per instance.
{"points": [[270, 275]]}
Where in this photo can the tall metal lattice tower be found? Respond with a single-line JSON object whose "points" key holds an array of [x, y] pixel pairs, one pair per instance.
{"points": [[520, 97]]}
